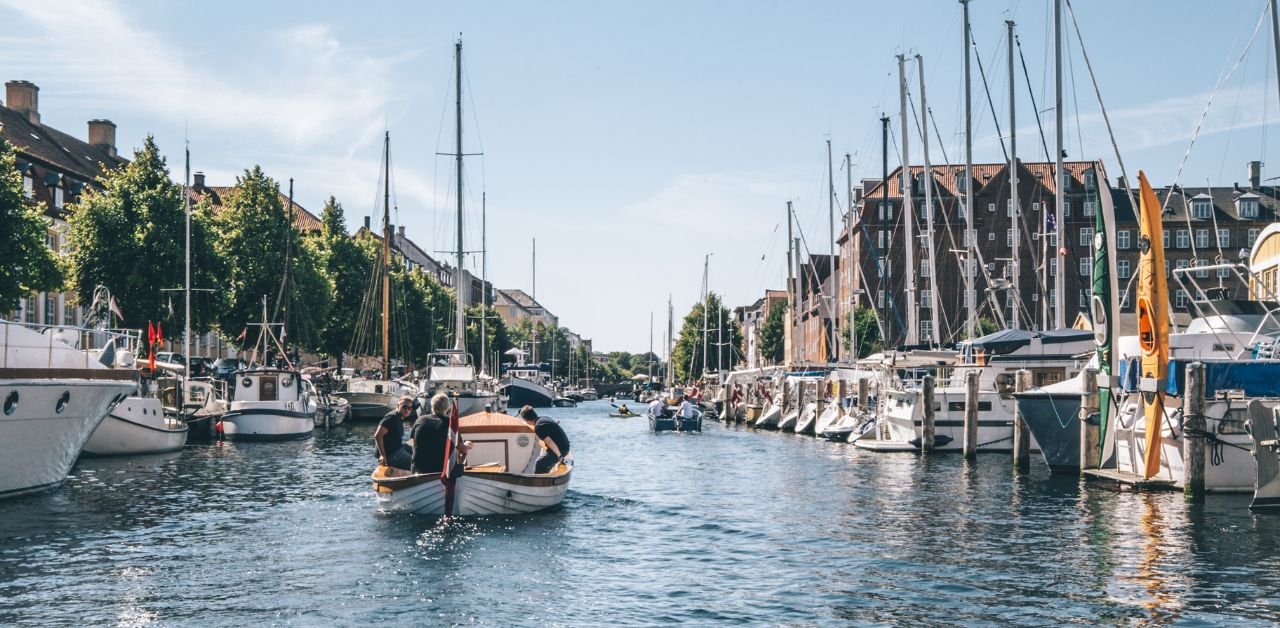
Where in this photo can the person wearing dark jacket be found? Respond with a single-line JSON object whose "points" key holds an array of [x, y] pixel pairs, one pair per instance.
{"points": [[430, 435], [554, 441], [389, 437]]}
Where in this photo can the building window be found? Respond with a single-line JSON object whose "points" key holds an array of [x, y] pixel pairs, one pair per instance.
{"points": [[30, 314], [1124, 299], [1090, 179], [924, 270], [1086, 236], [1183, 239], [1008, 298], [1180, 300], [926, 329], [1008, 238], [1201, 209], [28, 186], [1202, 238], [1224, 272], [1253, 236], [1083, 301], [1122, 239], [50, 310], [960, 183], [964, 240], [68, 314], [1224, 238], [1053, 267], [1182, 263], [926, 298], [57, 197], [886, 211], [1035, 236], [1086, 266], [1166, 267], [1202, 274], [1053, 238], [1008, 209], [1166, 238], [991, 207], [991, 237], [1035, 297], [880, 298], [1248, 208], [51, 240], [1088, 208], [1066, 205], [880, 238], [1053, 298], [1035, 207], [1123, 268]]}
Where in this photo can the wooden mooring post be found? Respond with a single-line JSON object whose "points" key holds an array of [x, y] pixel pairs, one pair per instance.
{"points": [[971, 414], [928, 421], [786, 397], [1089, 425], [1021, 435], [864, 392], [1193, 433]]}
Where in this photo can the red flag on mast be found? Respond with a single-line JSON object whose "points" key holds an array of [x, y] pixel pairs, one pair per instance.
{"points": [[151, 345]]}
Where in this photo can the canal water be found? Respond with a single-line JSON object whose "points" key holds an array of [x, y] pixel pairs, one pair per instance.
{"points": [[725, 526]]}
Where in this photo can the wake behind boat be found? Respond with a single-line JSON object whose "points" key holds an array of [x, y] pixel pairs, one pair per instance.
{"points": [[497, 480]]}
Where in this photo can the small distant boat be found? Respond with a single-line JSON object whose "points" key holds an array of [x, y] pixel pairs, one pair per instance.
{"points": [[564, 402], [269, 403], [501, 482], [137, 426], [330, 410], [770, 416], [670, 422]]}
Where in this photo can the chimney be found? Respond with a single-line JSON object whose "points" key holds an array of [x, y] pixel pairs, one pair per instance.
{"points": [[102, 133], [198, 181], [1121, 183], [24, 97], [402, 231], [366, 224], [1255, 174]]}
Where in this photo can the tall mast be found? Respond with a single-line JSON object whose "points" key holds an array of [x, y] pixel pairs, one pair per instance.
{"points": [[484, 281], [1016, 212], [848, 175], [1275, 38], [908, 215], [833, 346], [720, 339], [533, 269], [186, 285], [706, 304], [671, 373], [386, 256], [970, 304], [460, 332], [1059, 285], [650, 346], [791, 291], [929, 261], [882, 273]]}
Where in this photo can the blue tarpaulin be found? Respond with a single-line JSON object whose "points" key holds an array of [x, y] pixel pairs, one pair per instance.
{"points": [[1257, 378]]}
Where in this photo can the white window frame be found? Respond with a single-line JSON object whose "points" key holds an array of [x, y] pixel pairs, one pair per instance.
{"points": [[1086, 236], [1253, 236], [1086, 267], [1202, 238], [1224, 238], [1124, 268], [1122, 239], [1008, 237], [1088, 208], [1201, 209], [1182, 239]]}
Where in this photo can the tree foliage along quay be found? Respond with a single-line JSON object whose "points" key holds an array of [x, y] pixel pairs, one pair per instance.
{"points": [[130, 237], [687, 354], [347, 266], [26, 263], [773, 339], [257, 238]]}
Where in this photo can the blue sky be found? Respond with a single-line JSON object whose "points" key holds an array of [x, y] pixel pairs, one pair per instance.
{"points": [[631, 139]]}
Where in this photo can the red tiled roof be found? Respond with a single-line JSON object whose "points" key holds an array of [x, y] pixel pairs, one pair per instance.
{"points": [[982, 174], [303, 219]]}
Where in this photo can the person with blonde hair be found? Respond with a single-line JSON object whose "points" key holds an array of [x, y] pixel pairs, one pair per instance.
{"points": [[430, 435]]}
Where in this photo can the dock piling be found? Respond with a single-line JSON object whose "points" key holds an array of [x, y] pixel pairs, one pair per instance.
{"points": [[1089, 424], [1021, 435], [971, 414], [928, 423], [1193, 434]]}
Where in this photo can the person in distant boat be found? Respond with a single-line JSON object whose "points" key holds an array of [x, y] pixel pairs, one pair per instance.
{"points": [[624, 410], [389, 437], [429, 435], [684, 406], [554, 441], [658, 407]]}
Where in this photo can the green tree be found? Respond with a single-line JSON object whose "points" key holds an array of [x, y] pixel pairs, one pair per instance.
{"points": [[687, 354], [257, 236], [497, 343], [131, 238], [26, 263], [773, 340], [347, 265], [863, 332]]}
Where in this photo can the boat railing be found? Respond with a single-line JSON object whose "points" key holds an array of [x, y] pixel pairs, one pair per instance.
{"points": [[59, 337], [1200, 300]]}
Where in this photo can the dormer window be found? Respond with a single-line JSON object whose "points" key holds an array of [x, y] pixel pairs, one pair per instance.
{"points": [[1090, 180], [1201, 208], [1247, 206], [960, 183], [28, 185]]}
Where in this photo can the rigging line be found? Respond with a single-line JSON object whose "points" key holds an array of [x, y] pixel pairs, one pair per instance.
{"points": [[987, 89], [1235, 113], [1213, 213], [1205, 114], [1044, 143], [1075, 99], [1106, 118]]}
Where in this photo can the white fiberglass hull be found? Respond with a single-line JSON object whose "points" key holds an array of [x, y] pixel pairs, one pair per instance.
{"points": [[267, 423], [38, 444], [476, 493], [770, 416], [137, 426], [902, 420]]}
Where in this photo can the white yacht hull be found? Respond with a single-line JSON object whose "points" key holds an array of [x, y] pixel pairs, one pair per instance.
{"points": [[38, 444], [476, 493], [267, 423], [902, 420], [137, 426]]}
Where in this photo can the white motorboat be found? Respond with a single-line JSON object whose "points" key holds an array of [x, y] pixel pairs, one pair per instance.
{"points": [[771, 415], [137, 426], [330, 410], [498, 478], [452, 373], [52, 397], [269, 404], [370, 399], [526, 384], [804, 422], [832, 413]]}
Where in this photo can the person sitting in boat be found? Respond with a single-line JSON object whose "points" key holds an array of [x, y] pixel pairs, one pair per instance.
{"points": [[658, 407], [684, 407], [430, 434], [554, 441], [389, 437], [624, 410]]}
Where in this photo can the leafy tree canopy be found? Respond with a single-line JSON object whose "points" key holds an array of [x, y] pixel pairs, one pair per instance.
{"points": [[26, 263]]}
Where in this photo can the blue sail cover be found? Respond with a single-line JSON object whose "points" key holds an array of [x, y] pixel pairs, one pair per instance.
{"points": [[1257, 378]]}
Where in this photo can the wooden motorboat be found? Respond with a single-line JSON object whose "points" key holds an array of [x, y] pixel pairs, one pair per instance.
{"points": [[497, 479]]}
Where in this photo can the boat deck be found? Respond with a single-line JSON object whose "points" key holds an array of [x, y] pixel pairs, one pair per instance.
{"points": [[1122, 480]]}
